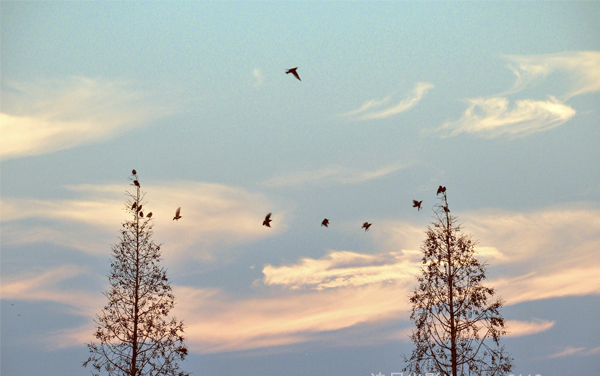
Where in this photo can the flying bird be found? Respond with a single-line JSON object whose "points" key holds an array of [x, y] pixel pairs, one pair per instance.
{"points": [[325, 222], [267, 221], [417, 204], [177, 216], [134, 172], [149, 215], [293, 71], [136, 183], [366, 226]]}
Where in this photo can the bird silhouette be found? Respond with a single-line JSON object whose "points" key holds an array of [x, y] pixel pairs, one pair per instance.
{"points": [[293, 71], [134, 172], [136, 183], [440, 190], [139, 207], [149, 215], [141, 215], [134, 206], [366, 226], [446, 209], [267, 221], [177, 216], [325, 222], [417, 204]]}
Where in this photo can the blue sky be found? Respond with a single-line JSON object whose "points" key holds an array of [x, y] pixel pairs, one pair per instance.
{"points": [[498, 101]]}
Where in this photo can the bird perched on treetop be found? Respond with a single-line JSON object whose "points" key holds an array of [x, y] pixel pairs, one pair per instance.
{"points": [[293, 71], [136, 183], [325, 222], [267, 221], [177, 216], [366, 226], [440, 190], [417, 204], [134, 172]]}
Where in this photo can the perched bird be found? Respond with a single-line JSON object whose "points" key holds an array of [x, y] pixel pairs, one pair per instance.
{"points": [[293, 71], [177, 216], [417, 204], [440, 190], [446, 209], [366, 226], [141, 215], [325, 222], [139, 208], [136, 183], [134, 172], [134, 206], [267, 221], [149, 215]]}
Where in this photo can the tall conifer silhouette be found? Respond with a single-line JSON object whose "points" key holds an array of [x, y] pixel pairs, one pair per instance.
{"points": [[458, 325], [134, 333]]}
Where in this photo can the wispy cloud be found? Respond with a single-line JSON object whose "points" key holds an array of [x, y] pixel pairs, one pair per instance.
{"points": [[372, 109], [341, 269], [332, 175], [497, 115], [259, 78], [212, 213], [56, 115], [525, 328], [577, 351], [582, 69], [492, 117]]}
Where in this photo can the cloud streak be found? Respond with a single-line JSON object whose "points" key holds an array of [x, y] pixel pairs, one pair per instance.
{"points": [[332, 175], [581, 67], [372, 109], [498, 116], [212, 213], [493, 117], [57, 115]]}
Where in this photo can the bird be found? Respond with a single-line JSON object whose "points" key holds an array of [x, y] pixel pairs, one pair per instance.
{"points": [[267, 221], [136, 183], [141, 215], [139, 208], [325, 222], [366, 226], [446, 209], [149, 215], [134, 206], [177, 216], [440, 190], [293, 71], [417, 204], [134, 172]]}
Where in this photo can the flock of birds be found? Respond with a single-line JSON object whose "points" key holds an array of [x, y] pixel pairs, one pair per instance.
{"points": [[267, 221], [366, 225]]}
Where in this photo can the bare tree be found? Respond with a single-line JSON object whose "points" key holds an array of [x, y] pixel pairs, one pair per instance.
{"points": [[458, 326], [135, 336]]}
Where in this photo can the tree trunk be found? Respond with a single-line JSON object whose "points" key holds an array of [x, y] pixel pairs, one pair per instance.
{"points": [[134, 351], [453, 354]]}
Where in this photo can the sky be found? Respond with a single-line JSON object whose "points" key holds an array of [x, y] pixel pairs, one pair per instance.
{"points": [[497, 101]]}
